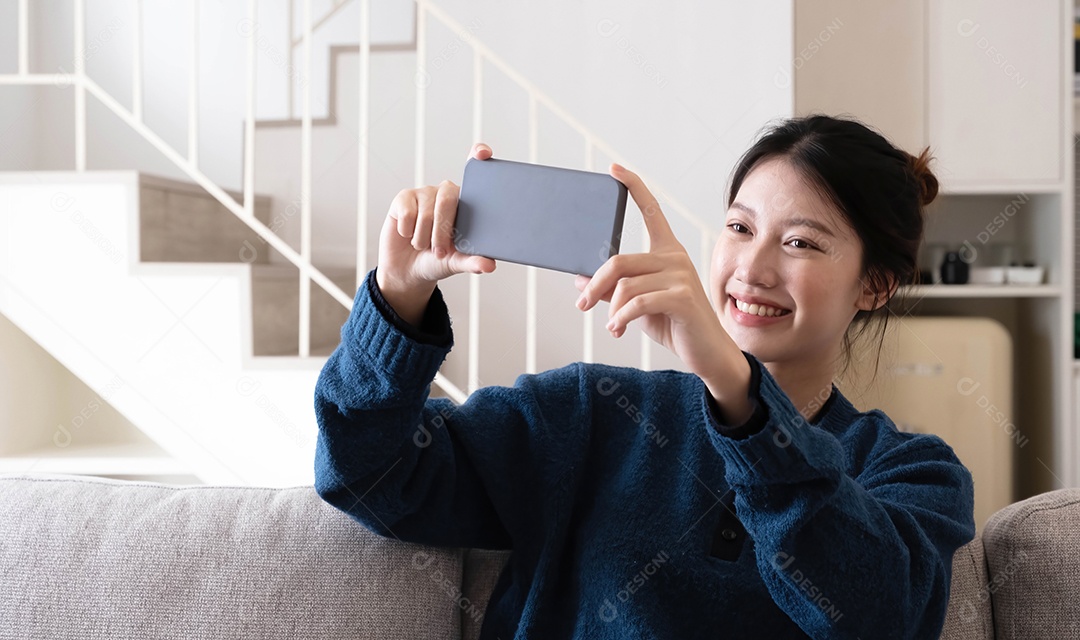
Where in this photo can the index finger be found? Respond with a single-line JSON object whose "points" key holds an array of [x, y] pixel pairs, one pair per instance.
{"points": [[480, 151], [656, 223]]}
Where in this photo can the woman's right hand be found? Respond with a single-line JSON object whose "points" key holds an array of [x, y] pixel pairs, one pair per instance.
{"points": [[416, 248]]}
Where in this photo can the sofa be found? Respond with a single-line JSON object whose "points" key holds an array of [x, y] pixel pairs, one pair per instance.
{"points": [[94, 558]]}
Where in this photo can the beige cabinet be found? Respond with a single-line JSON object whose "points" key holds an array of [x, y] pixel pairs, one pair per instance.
{"points": [[995, 102], [866, 59]]}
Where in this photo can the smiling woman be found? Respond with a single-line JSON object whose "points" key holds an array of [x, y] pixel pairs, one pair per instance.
{"points": [[745, 495], [824, 222]]}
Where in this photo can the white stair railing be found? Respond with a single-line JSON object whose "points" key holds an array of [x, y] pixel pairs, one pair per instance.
{"points": [[244, 211], [295, 42]]}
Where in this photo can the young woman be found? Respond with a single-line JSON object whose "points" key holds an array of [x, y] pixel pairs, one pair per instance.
{"points": [[746, 498]]}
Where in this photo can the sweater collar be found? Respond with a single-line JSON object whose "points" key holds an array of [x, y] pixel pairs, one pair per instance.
{"points": [[836, 414]]}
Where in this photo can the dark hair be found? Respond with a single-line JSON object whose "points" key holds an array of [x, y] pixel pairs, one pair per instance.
{"points": [[881, 190]]}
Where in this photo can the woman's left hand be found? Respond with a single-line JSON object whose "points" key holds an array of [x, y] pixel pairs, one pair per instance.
{"points": [[662, 288]]}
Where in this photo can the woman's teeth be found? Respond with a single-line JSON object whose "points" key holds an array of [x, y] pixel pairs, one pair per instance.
{"points": [[759, 309]]}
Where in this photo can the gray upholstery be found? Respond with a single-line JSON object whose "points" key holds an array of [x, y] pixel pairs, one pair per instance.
{"points": [[91, 558], [969, 616], [481, 570], [1033, 555]]}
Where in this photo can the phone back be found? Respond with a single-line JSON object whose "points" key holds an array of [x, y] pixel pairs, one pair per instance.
{"points": [[550, 217]]}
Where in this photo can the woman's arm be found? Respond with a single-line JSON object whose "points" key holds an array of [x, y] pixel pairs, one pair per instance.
{"points": [[845, 557], [426, 470]]}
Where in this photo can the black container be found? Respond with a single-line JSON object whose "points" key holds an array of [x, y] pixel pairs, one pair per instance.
{"points": [[953, 269]]}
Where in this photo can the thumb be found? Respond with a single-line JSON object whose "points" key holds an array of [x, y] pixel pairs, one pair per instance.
{"points": [[465, 263]]}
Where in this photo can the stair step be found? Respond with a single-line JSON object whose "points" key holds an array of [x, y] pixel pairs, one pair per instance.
{"points": [[275, 292], [181, 222]]}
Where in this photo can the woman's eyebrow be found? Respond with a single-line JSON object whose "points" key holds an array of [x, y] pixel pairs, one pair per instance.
{"points": [[808, 222], [742, 207], [797, 221]]}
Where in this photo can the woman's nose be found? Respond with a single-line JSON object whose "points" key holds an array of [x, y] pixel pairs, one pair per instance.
{"points": [[756, 265]]}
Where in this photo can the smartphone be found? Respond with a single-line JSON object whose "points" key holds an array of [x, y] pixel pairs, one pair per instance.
{"points": [[550, 217]]}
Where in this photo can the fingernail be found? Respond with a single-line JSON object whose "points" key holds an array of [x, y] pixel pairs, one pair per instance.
{"points": [[581, 302]]}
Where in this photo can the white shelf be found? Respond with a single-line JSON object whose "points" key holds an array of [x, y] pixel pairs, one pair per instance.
{"points": [[112, 459], [981, 291], [1000, 188]]}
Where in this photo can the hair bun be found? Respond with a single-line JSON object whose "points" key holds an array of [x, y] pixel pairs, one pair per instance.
{"points": [[924, 177]]}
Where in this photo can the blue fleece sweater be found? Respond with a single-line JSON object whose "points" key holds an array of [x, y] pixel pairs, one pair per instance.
{"points": [[630, 510]]}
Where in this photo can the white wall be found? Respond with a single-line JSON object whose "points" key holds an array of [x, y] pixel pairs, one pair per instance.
{"points": [[17, 127]]}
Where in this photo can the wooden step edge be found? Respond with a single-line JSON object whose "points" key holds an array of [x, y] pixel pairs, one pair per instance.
{"points": [[171, 184], [273, 271]]}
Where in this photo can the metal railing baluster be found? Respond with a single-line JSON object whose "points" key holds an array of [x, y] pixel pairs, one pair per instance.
{"points": [[137, 62], [80, 85], [305, 192], [362, 195], [193, 88], [24, 37]]}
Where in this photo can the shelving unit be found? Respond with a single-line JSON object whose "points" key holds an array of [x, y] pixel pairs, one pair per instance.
{"points": [[990, 90], [982, 291]]}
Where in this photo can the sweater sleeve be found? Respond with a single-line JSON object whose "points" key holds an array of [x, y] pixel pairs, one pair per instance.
{"points": [[423, 469], [434, 326], [756, 421], [849, 557]]}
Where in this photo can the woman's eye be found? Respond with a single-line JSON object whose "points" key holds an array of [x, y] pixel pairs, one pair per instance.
{"points": [[799, 243], [738, 227]]}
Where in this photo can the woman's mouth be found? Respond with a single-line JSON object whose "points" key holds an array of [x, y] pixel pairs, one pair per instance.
{"points": [[759, 309]]}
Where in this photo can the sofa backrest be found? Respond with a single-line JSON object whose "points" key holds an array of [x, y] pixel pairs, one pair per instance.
{"points": [[969, 616], [481, 570], [1033, 556], [95, 559]]}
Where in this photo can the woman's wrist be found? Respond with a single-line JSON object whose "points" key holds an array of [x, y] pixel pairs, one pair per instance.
{"points": [[731, 391], [409, 303]]}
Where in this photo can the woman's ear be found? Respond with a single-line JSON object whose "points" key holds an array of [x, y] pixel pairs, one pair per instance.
{"points": [[873, 297]]}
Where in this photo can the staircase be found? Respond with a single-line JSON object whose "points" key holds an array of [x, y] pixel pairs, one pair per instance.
{"points": [[168, 295], [176, 336]]}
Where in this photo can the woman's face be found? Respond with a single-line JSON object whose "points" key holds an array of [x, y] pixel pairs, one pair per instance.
{"points": [[786, 270]]}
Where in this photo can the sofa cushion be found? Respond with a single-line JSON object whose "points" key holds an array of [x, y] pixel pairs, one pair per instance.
{"points": [[969, 616], [1033, 555], [94, 558], [481, 570]]}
